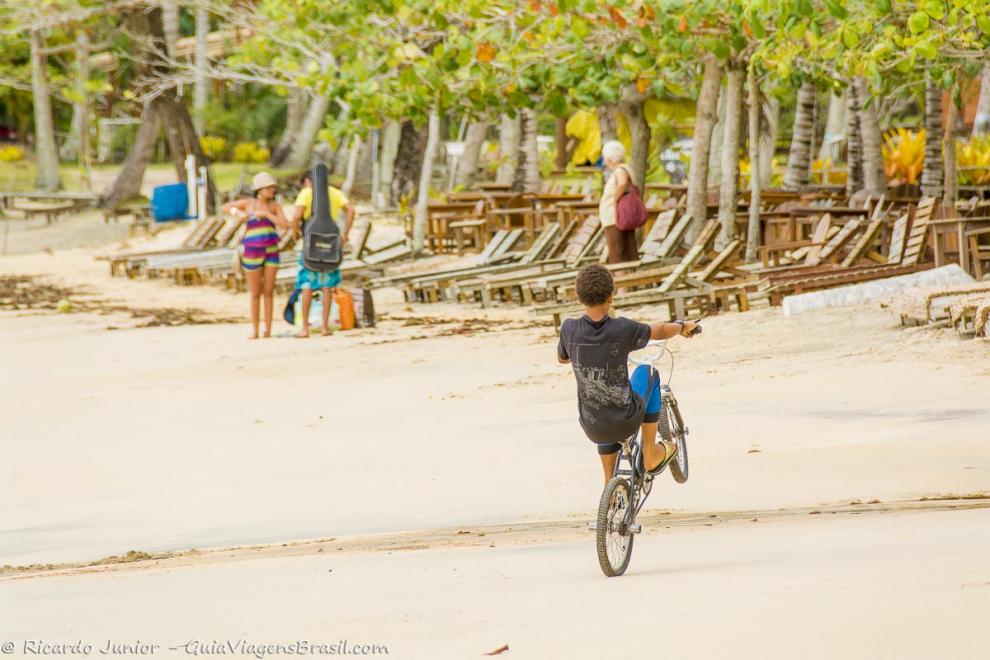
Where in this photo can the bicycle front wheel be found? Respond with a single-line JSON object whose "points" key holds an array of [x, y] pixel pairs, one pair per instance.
{"points": [[613, 536], [671, 428]]}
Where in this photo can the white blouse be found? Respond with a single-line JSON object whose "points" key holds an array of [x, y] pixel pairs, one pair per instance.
{"points": [[610, 198]]}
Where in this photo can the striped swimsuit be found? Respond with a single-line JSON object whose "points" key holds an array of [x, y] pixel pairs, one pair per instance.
{"points": [[260, 244]]}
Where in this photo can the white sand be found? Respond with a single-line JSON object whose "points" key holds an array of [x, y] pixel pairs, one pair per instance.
{"points": [[905, 586], [171, 438]]}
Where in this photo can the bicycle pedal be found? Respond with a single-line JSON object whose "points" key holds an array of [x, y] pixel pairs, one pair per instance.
{"points": [[635, 528]]}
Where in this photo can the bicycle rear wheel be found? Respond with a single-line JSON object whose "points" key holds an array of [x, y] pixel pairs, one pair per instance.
{"points": [[671, 428], [613, 537]]}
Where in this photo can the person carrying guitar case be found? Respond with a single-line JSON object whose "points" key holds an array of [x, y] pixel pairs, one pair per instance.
{"points": [[319, 261]]}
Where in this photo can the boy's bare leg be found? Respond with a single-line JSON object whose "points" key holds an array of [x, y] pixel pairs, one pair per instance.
{"points": [[608, 464], [327, 300], [654, 451], [307, 301]]}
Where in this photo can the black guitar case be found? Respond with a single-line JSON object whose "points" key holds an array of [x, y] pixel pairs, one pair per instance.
{"points": [[322, 250]]}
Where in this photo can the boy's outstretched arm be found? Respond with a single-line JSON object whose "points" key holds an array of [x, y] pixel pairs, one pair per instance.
{"points": [[668, 330]]}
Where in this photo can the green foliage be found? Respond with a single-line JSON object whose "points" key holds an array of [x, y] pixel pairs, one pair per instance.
{"points": [[246, 113]]}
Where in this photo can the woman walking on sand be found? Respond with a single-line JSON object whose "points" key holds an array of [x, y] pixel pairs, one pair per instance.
{"points": [[259, 257], [621, 244]]}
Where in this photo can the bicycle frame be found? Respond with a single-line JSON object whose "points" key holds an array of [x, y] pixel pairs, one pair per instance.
{"points": [[628, 462]]}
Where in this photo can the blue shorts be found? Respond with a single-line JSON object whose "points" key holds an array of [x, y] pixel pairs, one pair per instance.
{"points": [[311, 279], [640, 380]]}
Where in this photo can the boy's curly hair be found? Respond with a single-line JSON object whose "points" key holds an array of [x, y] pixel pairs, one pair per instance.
{"points": [[594, 285]]}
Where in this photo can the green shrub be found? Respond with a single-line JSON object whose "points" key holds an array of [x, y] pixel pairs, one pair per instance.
{"points": [[214, 147], [11, 154], [250, 152]]}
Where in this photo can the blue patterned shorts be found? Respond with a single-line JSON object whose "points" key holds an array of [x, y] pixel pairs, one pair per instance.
{"points": [[310, 279]]}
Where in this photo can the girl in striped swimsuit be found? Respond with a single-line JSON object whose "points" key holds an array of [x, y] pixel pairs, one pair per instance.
{"points": [[259, 257]]}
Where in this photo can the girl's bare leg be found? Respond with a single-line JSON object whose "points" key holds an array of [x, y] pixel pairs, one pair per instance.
{"points": [[307, 302], [270, 272], [253, 278]]}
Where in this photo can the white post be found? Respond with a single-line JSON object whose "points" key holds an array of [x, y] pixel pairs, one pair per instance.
{"points": [[201, 182], [191, 186]]}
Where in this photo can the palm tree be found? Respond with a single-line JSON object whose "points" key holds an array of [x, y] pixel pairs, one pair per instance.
{"points": [[799, 159], [854, 143], [932, 174], [528, 172], [874, 178]]}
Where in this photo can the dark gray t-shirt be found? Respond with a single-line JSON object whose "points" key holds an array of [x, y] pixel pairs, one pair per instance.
{"points": [[599, 352]]}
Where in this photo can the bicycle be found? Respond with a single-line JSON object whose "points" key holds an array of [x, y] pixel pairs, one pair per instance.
{"points": [[631, 484]]}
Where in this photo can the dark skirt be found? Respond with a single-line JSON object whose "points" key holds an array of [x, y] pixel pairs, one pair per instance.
{"points": [[621, 245]]}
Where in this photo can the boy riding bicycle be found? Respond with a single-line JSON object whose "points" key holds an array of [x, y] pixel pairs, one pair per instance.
{"points": [[611, 404]]}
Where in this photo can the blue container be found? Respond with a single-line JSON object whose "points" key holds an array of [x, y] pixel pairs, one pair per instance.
{"points": [[170, 202]]}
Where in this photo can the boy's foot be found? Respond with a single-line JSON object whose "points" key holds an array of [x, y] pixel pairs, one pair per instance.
{"points": [[302, 334], [670, 450], [327, 332]]}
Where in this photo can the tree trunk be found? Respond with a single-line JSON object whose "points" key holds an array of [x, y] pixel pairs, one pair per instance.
{"points": [[835, 129], [949, 149], [167, 107], [854, 143], [467, 165], [768, 143], [76, 144], [755, 191], [181, 137], [302, 148], [47, 177], [718, 137], [704, 122], [639, 130], [799, 158], [170, 24], [408, 162], [874, 177], [508, 148], [201, 89], [426, 174], [981, 124], [294, 116], [932, 174], [727, 204], [390, 147], [357, 145], [560, 144], [127, 183], [607, 123], [528, 172]]}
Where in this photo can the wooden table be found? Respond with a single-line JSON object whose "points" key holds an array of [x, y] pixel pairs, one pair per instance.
{"points": [[957, 228]]}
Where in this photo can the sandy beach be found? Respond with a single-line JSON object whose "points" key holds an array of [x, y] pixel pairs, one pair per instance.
{"points": [[366, 453]]}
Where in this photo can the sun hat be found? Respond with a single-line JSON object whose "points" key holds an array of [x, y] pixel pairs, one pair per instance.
{"points": [[262, 180]]}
